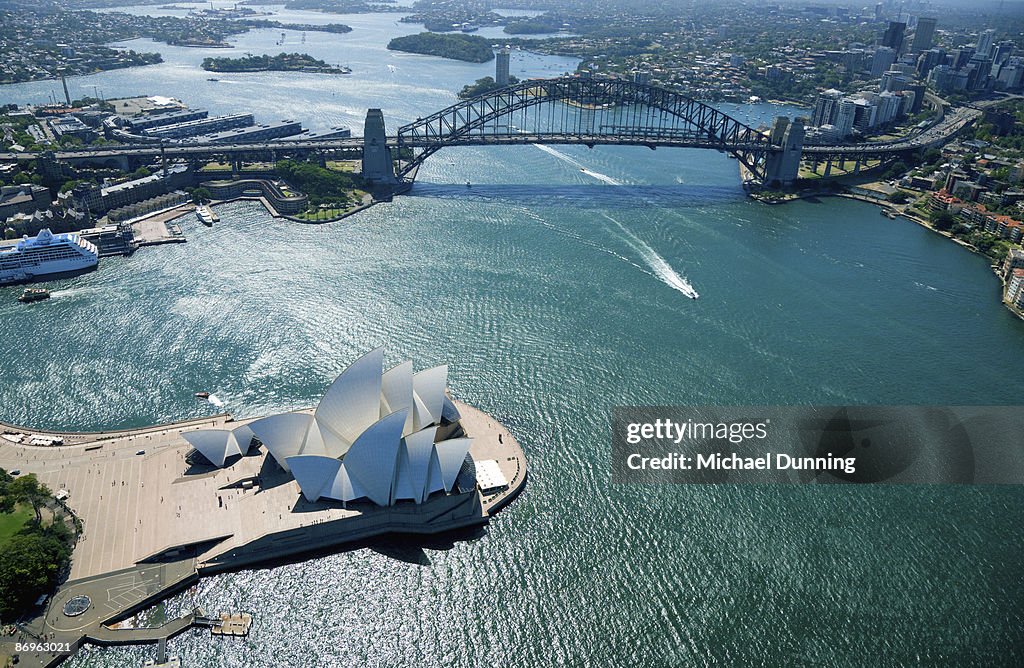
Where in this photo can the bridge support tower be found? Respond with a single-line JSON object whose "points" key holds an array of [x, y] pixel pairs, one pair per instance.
{"points": [[782, 165], [377, 163]]}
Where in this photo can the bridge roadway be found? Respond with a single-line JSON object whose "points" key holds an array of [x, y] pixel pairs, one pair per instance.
{"points": [[933, 136], [936, 135]]}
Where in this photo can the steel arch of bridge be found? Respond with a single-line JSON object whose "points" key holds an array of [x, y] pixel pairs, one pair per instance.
{"points": [[653, 117]]}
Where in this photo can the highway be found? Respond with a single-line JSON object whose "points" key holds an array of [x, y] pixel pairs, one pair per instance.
{"points": [[936, 135]]}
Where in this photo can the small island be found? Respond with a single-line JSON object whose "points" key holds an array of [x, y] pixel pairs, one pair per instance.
{"points": [[483, 86], [334, 28], [282, 62], [468, 48]]}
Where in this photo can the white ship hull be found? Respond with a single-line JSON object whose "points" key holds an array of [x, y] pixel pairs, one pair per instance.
{"points": [[47, 271], [46, 256]]}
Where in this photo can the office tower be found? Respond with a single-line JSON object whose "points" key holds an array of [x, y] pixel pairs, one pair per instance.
{"points": [[884, 57], [501, 67], [924, 34], [825, 107], [1002, 52], [929, 59], [893, 36], [985, 40]]}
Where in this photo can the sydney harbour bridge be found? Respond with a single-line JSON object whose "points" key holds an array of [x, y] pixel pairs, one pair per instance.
{"points": [[566, 110]]}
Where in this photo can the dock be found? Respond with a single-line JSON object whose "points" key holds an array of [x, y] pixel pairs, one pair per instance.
{"points": [[160, 228], [235, 624]]}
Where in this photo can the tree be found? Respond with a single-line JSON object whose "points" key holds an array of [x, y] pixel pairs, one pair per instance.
{"points": [[30, 564], [200, 195], [28, 489], [6, 500], [941, 220]]}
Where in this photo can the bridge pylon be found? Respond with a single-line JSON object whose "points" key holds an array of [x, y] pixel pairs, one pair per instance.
{"points": [[782, 164], [377, 162]]}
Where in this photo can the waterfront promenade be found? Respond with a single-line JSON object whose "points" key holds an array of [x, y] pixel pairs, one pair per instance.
{"points": [[153, 522]]}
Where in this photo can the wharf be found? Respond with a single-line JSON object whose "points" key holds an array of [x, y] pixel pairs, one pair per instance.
{"points": [[159, 228]]}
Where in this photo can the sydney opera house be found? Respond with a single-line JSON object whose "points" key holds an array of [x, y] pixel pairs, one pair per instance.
{"points": [[376, 436]]}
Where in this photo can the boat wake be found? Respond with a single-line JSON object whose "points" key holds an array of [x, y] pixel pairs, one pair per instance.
{"points": [[575, 163], [661, 268], [215, 400]]}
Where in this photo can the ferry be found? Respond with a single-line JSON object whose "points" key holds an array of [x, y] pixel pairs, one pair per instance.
{"points": [[33, 295], [206, 216], [45, 256]]}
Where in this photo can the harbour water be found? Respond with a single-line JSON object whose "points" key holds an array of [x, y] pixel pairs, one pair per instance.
{"points": [[553, 286]]}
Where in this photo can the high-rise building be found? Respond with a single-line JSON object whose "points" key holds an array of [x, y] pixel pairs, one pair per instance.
{"points": [[918, 89], [889, 105], [845, 116], [893, 36], [865, 112], [924, 34], [893, 81], [883, 59], [985, 40], [501, 67], [1011, 73], [961, 57], [1002, 52], [978, 70], [825, 107], [947, 79], [929, 59]]}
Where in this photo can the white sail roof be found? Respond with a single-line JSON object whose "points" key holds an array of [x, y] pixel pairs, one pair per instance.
{"points": [[351, 404], [219, 444], [396, 393], [373, 458], [282, 434], [413, 461], [371, 436], [451, 454], [428, 395], [315, 474]]}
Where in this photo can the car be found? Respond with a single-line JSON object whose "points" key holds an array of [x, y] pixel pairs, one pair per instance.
{"points": [[16, 472], [141, 452]]}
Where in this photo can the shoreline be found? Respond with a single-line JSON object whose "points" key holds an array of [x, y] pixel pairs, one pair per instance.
{"points": [[892, 212], [913, 217]]}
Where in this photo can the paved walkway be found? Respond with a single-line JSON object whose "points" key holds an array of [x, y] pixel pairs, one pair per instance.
{"points": [[153, 521]]}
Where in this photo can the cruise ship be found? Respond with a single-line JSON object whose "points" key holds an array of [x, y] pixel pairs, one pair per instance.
{"points": [[46, 255]]}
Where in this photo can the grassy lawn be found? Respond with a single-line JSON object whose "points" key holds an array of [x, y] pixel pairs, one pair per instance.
{"points": [[838, 168], [11, 523], [347, 166]]}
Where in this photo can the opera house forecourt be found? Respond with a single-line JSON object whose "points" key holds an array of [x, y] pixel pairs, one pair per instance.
{"points": [[383, 452]]}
